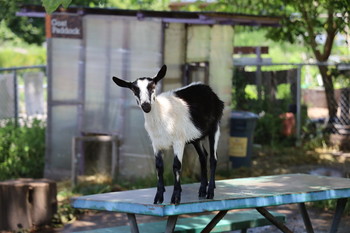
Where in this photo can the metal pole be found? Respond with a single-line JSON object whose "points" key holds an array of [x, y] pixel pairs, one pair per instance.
{"points": [[49, 108], [273, 220], [214, 221], [15, 91], [341, 203], [170, 226], [259, 74], [306, 218], [298, 103], [74, 157], [133, 223], [81, 103]]}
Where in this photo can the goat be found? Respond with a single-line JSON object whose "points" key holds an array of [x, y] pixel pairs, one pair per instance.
{"points": [[174, 119]]}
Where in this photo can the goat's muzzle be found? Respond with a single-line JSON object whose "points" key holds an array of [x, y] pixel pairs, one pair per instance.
{"points": [[146, 107]]}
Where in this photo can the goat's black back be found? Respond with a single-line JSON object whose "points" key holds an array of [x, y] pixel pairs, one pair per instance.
{"points": [[204, 105]]}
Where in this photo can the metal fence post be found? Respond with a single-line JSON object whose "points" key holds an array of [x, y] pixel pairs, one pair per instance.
{"points": [[15, 91], [298, 112], [259, 74]]}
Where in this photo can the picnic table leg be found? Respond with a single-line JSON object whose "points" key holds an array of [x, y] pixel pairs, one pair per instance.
{"points": [[133, 223], [341, 203], [214, 221], [306, 219], [273, 220], [170, 226]]}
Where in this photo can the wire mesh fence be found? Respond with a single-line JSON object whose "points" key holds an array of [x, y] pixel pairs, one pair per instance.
{"points": [[342, 121], [23, 92]]}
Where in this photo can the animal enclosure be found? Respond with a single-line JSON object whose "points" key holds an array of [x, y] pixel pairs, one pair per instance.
{"points": [[86, 47]]}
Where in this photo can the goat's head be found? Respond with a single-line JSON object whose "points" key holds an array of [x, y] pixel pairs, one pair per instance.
{"points": [[143, 88]]}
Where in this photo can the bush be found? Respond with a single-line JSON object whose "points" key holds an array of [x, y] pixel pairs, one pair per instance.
{"points": [[268, 130], [15, 52], [14, 56], [22, 149]]}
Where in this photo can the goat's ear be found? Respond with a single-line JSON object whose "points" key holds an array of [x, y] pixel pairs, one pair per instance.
{"points": [[121, 82], [160, 74]]}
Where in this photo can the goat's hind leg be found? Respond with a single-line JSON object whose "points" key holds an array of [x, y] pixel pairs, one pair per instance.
{"points": [[203, 155], [213, 144], [159, 198], [178, 154]]}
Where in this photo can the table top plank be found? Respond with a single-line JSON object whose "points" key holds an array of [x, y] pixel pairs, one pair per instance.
{"points": [[229, 194]]}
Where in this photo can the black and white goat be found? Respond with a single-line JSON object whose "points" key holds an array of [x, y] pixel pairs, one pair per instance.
{"points": [[176, 118]]}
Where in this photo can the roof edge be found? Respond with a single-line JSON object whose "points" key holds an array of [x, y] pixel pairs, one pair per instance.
{"points": [[167, 16]]}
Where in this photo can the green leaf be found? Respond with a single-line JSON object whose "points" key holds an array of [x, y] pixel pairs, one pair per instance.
{"points": [[65, 3], [52, 5]]}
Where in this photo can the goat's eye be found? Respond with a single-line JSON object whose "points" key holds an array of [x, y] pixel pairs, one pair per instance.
{"points": [[136, 91], [151, 87]]}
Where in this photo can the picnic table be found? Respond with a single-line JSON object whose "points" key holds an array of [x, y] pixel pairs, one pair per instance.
{"points": [[243, 193]]}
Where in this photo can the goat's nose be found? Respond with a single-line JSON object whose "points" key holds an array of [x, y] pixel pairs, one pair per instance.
{"points": [[146, 107]]}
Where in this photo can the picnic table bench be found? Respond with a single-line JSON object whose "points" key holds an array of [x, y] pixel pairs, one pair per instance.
{"points": [[244, 193]]}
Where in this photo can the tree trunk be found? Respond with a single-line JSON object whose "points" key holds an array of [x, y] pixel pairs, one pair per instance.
{"points": [[329, 90], [26, 203]]}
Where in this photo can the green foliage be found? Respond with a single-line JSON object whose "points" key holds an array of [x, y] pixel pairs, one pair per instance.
{"points": [[14, 56], [30, 30], [314, 23], [14, 51], [52, 5], [269, 126], [330, 205], [269, 131], [137, 4], [283, 91], [22, 149], [341, 77], [298, 17], [65, 214], [7, 36]]}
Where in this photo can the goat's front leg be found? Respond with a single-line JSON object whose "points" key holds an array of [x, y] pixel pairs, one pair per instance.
{"points": [[178, 154], [159, 198]]}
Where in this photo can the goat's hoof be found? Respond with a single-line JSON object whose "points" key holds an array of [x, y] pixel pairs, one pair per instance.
{"points": [[210, 195], [159, 198], [202, 192], [176, 198]]}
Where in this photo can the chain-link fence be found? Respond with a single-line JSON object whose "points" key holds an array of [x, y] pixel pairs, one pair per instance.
{"points": [[23, 92], [342, 121]]}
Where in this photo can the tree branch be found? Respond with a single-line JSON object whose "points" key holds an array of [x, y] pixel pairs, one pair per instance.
{"points": [[310, 30], [331, 33]]}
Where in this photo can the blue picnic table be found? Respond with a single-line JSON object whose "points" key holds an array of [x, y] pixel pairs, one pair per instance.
{"points": [[243, 193]]}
